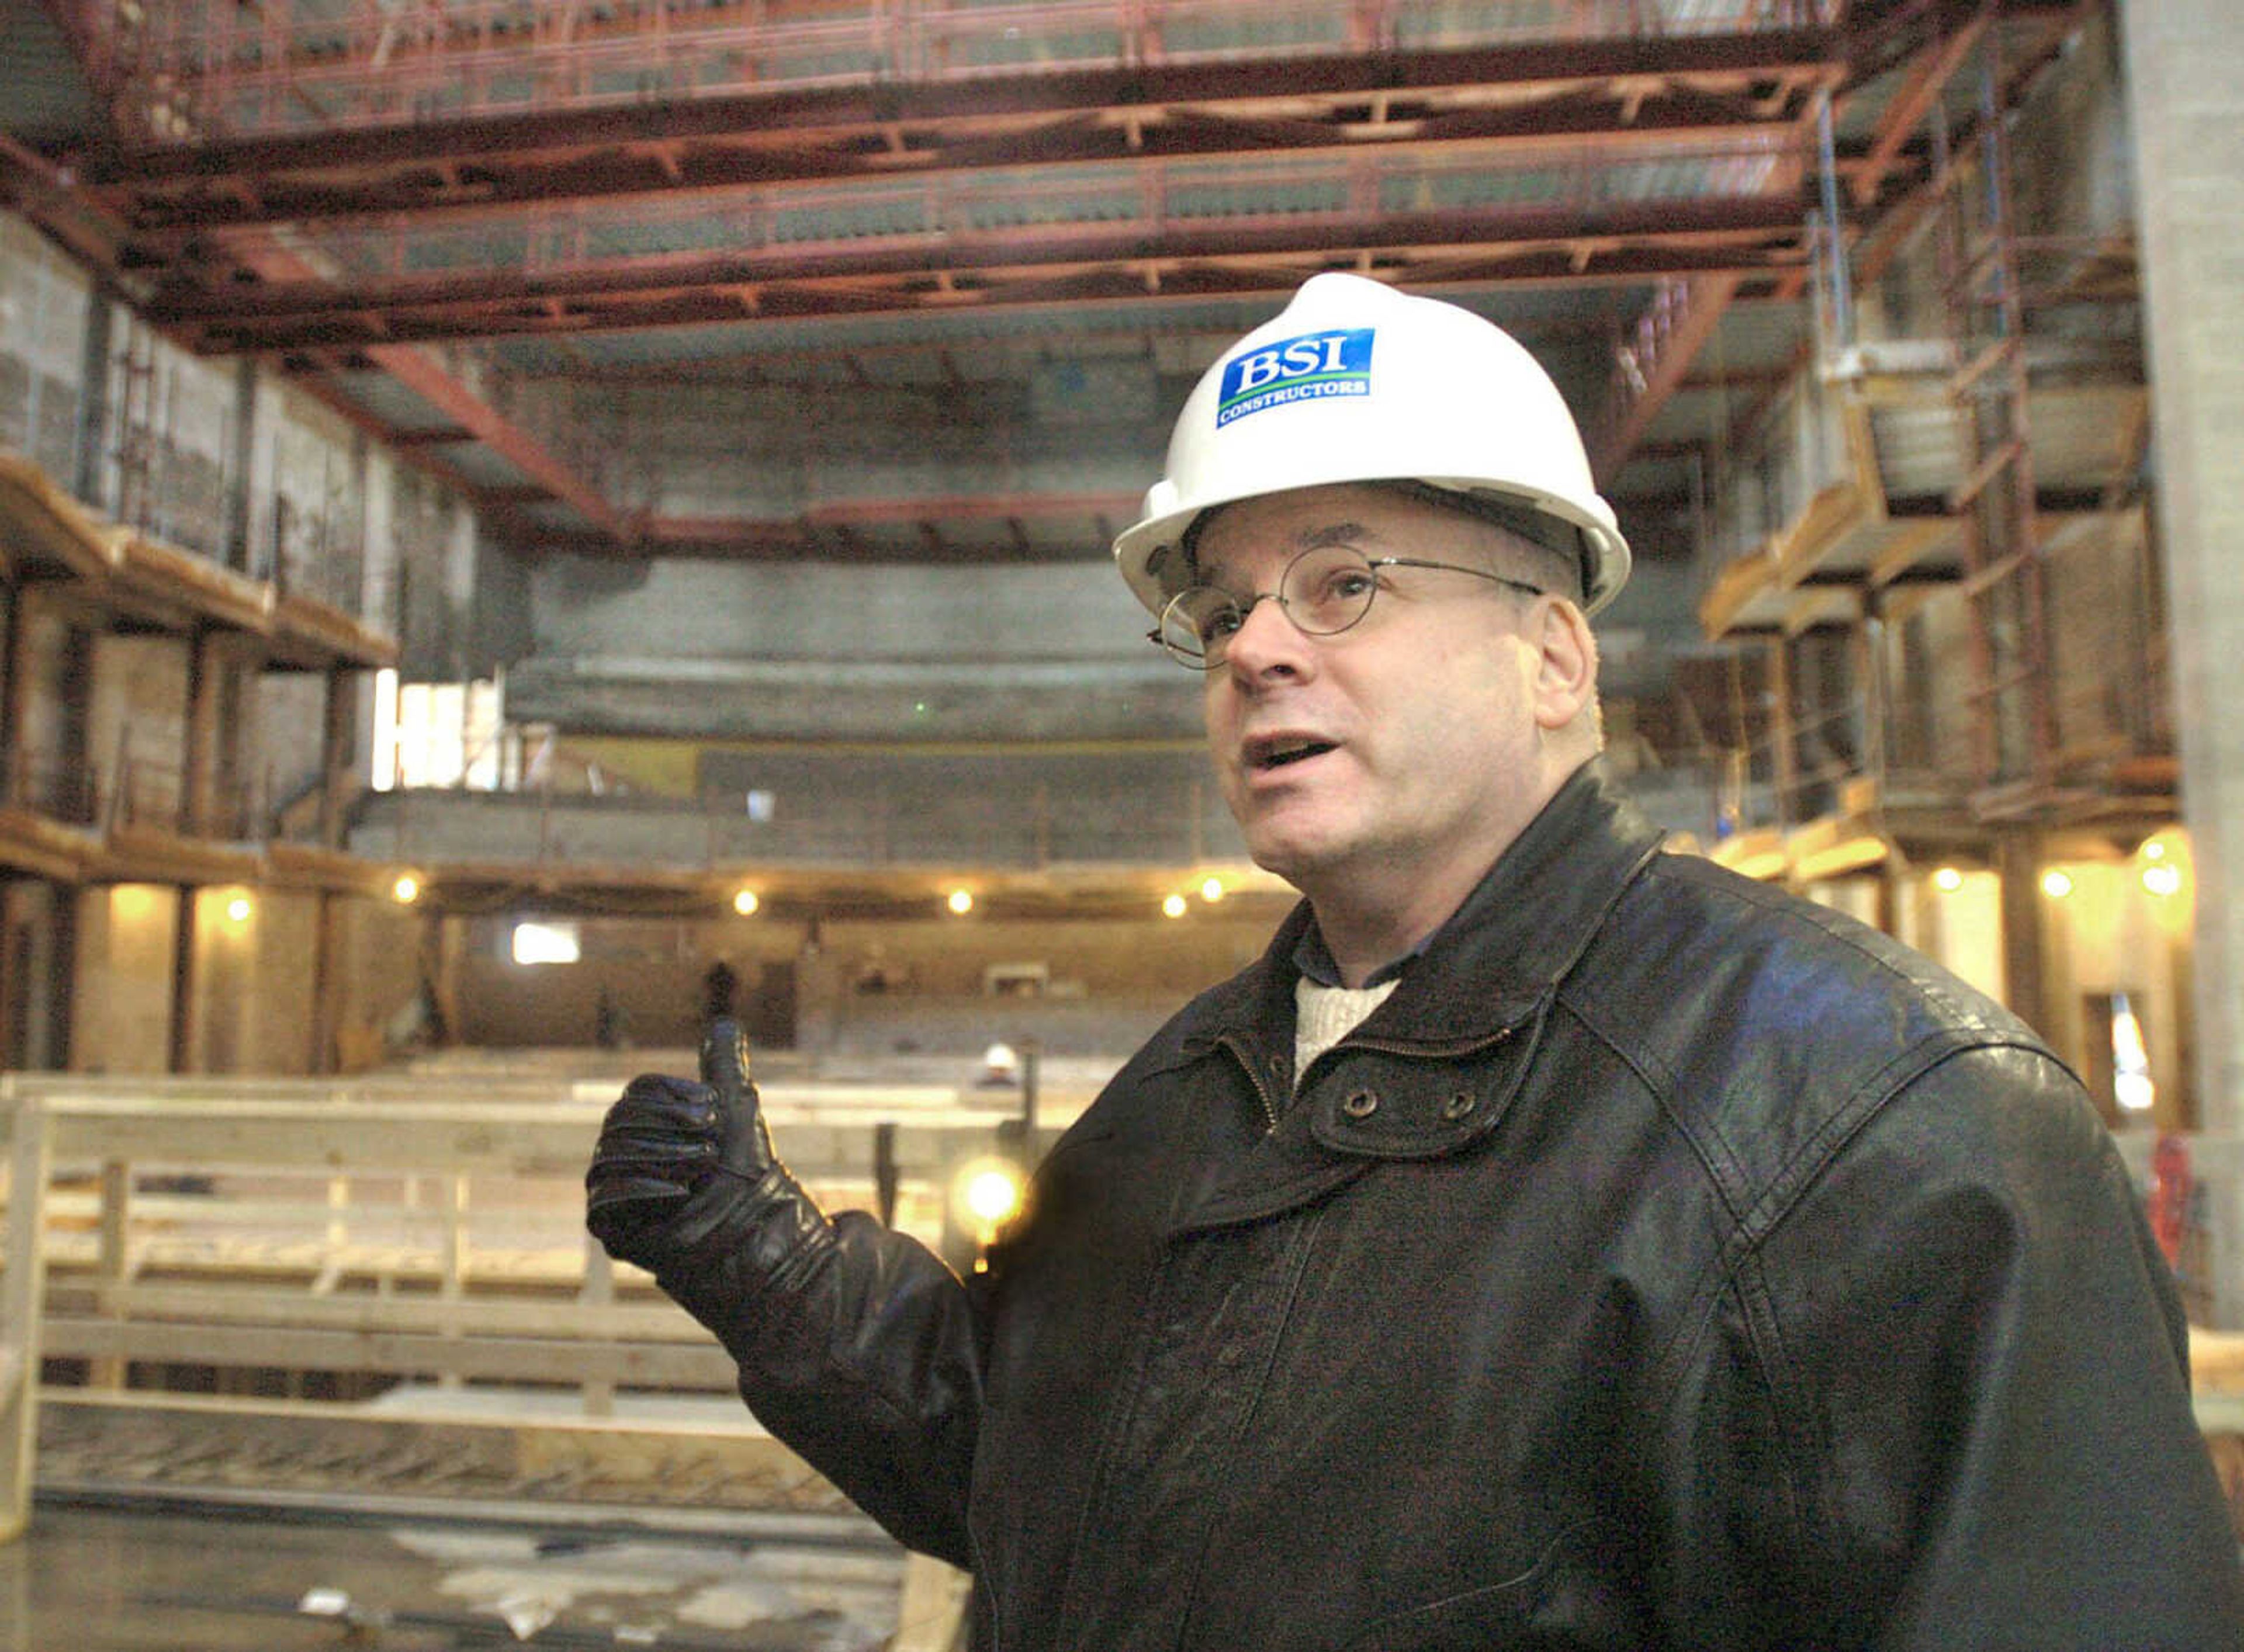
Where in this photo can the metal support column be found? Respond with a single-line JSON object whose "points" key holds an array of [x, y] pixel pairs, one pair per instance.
{"points": [[182, 1049], [2025, 960], [338, 720], [330, 937], [199, 758], [92, 437], [15, 696], [240, 488]]}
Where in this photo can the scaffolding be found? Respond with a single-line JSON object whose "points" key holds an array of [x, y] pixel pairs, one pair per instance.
{"points": [[1994, 498], [1969, 533]]}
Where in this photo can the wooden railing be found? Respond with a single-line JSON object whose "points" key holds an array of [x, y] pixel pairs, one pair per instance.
{"points": [[256, 1227]]}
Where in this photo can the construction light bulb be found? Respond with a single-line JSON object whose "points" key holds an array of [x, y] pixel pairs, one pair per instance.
{"points": [[1174, 906], [1211, 890], [1948, 880], [746, 903], [407, 889], [986, 1194], [2161, 879], [2056, 884], [238, 908], [960, 901], [992, 1196]]}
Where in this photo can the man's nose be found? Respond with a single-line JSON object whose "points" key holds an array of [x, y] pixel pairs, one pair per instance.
{"points": [[1267, 640]]}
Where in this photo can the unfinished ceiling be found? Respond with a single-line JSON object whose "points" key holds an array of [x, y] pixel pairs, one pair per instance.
{"points": [[463, 222]]}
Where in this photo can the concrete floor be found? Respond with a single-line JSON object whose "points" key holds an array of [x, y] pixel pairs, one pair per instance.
{"points": [[181, 1578]]}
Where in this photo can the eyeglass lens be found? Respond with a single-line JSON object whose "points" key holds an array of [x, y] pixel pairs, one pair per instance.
{"points": [[1322, 590]]}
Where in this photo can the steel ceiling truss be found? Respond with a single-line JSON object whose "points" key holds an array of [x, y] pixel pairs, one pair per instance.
{"points": [[199, 70], [566, 272], [1618, 92], [559, 167]]}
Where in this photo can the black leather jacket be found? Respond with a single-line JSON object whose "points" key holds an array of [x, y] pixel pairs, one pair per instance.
{"points": [[1668, 1263]]}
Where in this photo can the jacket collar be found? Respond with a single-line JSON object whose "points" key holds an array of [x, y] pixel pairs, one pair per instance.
{"points": [[1500, 954]]}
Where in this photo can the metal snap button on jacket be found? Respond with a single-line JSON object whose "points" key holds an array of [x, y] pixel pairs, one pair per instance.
{"points": [[1458, 1105], [1362, 1105]]}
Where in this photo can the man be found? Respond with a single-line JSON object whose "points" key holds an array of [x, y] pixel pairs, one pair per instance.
{"points": [[1550, 1242]]}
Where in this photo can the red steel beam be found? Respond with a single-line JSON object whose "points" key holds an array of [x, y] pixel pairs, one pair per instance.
{"points": [[1120, 90], [422, 374], [419, 373], [798, 534], [1702, 314], [969, 270], [166, 220], [1928, 77], [1556, 267]]}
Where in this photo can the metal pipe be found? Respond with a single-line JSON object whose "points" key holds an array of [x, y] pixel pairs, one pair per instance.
{"points": [[1842, 297]]}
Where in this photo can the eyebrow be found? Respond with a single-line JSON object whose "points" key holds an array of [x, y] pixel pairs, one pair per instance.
{"points": [[1350, 534], [1347, 534]]}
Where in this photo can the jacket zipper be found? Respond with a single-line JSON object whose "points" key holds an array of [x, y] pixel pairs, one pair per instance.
{"points": [[1254, 1077]]}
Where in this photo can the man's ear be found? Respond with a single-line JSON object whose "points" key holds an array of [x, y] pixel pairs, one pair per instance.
{"points": [[1566, 665]]}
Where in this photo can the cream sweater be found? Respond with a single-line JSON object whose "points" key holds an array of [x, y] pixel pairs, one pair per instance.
{"points": [[1325, 1015]]}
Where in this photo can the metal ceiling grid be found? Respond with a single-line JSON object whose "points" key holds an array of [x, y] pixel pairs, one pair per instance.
{"points": [[907, 198], [486, 468], [390, 405], [208, 69]]}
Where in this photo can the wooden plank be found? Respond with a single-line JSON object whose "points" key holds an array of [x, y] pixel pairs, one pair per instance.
{"points": [[1800, 548], [425, 1315], [530, 1139], [717, 1458], [533, 1140], [598, 1295], [1730, 601], [1911, 546], [21, 1318], [113, 1261], [705, 1368]]}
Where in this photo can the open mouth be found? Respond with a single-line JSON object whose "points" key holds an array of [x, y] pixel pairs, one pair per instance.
{"points": [[1283, 750]]}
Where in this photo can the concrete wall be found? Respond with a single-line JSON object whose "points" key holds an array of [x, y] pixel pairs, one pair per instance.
{"points": [[651, 968], [774, 453], [385, 952], [43, 300], [120, 1014], [57, 673], [1026, 807], [805, 650], [2188, 111], [289, 712], [255, 987], [955, 699], [136, 721], [2075, 141], [234, 464], [435, 559], [812, 611], [866, 987], [307, 523]]}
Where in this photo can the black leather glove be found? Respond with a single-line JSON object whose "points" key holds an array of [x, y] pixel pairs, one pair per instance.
{"points": [[683, 1175]]}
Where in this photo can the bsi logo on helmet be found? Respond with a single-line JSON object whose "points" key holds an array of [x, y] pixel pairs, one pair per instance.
{"points": [[1310, 367]]}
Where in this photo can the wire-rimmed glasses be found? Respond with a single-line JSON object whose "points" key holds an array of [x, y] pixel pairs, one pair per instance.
{"points": [[1324, 591]]}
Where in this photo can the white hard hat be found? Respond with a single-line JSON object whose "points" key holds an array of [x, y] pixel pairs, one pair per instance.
{"points": [[1356, 381]]}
